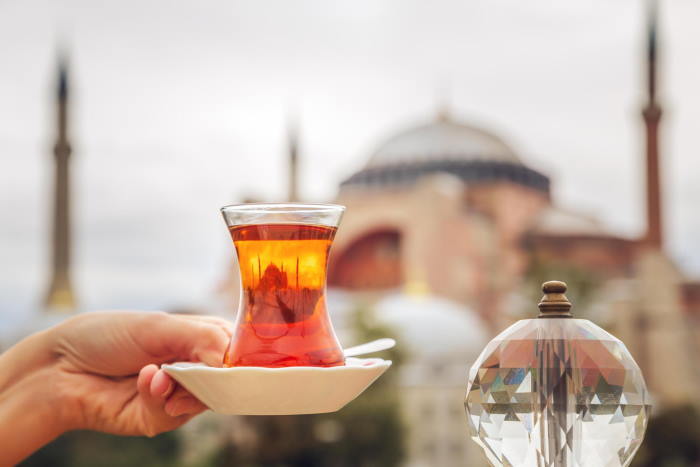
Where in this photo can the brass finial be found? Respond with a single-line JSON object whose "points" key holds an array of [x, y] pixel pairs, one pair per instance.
{"points": [[554, 304]]}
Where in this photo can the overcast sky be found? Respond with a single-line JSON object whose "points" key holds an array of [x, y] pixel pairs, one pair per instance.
{"points": [[179, 107]]}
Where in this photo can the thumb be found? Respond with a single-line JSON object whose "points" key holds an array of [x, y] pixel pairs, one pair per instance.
{"points": [[169, 338], [209, 339]]}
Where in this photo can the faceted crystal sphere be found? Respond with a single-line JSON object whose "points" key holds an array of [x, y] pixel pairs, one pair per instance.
{"points": [[557, 392]]}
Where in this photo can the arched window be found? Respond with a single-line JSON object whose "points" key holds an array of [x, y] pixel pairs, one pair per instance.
{"points": [[373, 261]]}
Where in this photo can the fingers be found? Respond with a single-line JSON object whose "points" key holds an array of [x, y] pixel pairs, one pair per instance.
{"points": [[161, 384], [145, 378], [164, 393], [169, 338], [183, 403], [165, 405], [152, 399], [208, 339], [211, 348], [223, 323]]}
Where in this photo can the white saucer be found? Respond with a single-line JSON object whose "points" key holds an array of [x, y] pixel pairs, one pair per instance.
{"points": [[278, 391]]}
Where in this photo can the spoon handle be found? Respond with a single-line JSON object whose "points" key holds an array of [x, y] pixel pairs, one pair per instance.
{"points": [[370, 347]]}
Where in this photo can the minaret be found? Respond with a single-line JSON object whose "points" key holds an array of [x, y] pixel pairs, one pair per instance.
{"points": [[60, 296], [293, 149], [652, 116]]}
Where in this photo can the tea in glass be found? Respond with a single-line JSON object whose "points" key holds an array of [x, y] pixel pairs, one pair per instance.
{"points": [[282, 319]]}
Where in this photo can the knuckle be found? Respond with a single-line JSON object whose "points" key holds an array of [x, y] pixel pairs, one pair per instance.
{"points": [[153, 319]]}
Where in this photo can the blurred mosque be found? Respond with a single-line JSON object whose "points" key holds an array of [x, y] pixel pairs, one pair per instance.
{"points": [[447, 230], [451, 209]]}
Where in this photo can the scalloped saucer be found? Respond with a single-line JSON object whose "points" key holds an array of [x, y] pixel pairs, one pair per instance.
{"points": [[278, 391]]}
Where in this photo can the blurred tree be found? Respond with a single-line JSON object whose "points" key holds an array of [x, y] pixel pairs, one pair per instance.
{"points": [[90, 449], [366, 433], [672, 439]]}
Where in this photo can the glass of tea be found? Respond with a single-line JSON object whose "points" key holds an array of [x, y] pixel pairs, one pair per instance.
{"points": [[283, 257]]}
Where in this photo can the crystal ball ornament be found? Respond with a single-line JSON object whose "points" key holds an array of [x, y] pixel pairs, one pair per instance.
{"points": [[557, 391]]}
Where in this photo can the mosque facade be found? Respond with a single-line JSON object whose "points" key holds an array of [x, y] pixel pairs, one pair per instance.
{"points": [[447, 212]]}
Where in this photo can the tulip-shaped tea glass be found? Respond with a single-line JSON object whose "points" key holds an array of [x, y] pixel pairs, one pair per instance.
{"points": [[283, 256]]}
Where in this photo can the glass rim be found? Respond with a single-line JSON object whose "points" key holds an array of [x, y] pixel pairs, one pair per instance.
{"points": [[262, 208]]}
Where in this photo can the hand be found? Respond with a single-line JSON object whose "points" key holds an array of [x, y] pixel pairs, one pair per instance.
{"points": [[100, 371], [108, 367]]}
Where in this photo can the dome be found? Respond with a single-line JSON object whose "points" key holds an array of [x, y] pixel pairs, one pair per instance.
{"points": [[444, 145], [442, 140], [433, 328]]}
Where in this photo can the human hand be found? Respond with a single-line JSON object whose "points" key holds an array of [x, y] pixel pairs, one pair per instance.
{"points": [[100, 371], [108, 367]]}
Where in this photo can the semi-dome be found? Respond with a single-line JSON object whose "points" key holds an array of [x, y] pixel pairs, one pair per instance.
{"points": [[434, 328], [440, 337], [445, 145]]}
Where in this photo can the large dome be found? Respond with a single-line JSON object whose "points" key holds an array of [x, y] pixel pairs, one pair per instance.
{"points": [[445, 145], [442, 140]]}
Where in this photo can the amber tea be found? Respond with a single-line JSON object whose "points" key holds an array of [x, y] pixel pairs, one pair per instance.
{"points": [[283, 319]]}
